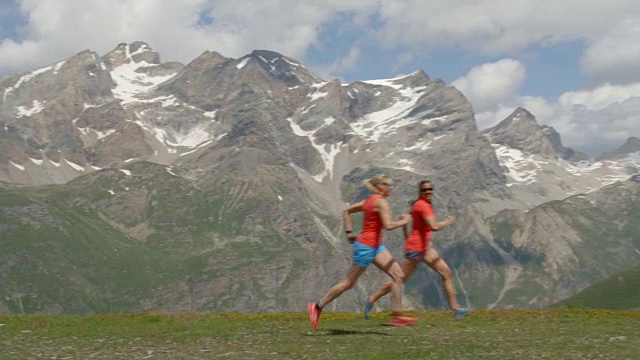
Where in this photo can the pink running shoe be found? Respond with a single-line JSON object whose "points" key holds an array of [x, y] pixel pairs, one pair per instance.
{"points": [[314, 314], [400, 320]]}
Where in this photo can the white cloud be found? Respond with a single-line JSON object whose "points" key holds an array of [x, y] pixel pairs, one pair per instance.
{"points": [[498, 26], [346, 63], [57, 28], [615, 56], [402, 60], [589, 120], [600, 97], [491, 84]]}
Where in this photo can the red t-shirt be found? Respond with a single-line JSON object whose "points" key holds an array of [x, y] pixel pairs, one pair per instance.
{"points": [[420, 235], [371, 234]]}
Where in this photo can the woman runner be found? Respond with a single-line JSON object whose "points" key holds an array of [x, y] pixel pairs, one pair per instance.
{"points": [[418, 249], [368, 248]]}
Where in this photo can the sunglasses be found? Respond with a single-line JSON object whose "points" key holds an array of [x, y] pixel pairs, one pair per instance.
{"points": [[388, 184], [426, 189]]}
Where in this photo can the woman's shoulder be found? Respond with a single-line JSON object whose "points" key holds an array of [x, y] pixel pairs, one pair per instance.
{"points": [[377, 199]]}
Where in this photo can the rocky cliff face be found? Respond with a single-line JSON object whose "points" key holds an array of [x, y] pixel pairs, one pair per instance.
{"points": [[564, 152], [629, 150], [233, 173], [521, 131]]}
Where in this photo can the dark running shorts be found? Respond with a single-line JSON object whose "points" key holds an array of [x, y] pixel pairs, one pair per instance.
{"points": [[414, 255]]}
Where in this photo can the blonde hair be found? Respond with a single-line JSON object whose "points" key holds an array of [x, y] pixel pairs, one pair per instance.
{"points": [[372, 184]]}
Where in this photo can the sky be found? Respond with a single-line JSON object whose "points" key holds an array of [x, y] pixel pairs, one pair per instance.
{"points": [[575, 65]]}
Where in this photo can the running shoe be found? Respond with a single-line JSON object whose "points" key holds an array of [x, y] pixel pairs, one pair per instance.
{"points": [[400, 320], [367, 308], [461, 313], [314, 314]]}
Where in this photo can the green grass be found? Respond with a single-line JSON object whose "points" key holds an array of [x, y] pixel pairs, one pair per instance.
{"points": [[577, 333], [620, 292]]}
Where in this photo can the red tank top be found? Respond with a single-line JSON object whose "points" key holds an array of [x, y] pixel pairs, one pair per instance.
{"points": [[420, 235], [372, 228]]}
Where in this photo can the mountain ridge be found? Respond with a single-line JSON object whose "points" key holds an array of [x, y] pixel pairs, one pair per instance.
{"points": [[265, 157]]}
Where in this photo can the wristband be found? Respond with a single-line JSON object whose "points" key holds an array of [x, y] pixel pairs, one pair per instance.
{"points": [[349, 231]]}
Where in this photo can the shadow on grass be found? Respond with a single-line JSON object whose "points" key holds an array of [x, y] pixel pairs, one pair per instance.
{"points": [[337, 332]]}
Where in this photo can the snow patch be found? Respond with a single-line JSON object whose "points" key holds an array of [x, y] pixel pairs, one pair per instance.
{"points": [[35, 108], [20, 167], [406, 165], [328, 152], [317, 94], [130, 83], [521, 168], [86, 106], [193, 138], [372, 126], [103, 134], [210, 114], [74, 165], [24, 79], [243, 63], [291, 62], [87, 130], [169, 171]]}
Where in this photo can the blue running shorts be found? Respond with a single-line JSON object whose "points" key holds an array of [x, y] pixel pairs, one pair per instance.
{"points": [[363, 255]]}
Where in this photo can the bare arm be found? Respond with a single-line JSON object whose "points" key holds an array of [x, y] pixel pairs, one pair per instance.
{"points": [[346, 215], [385, 215], [436, 225], [405, 231]]}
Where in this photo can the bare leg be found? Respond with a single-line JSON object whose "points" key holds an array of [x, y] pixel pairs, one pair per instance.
{"points": [[346, 284], [385, 262], [408, 268], [433, 259]]}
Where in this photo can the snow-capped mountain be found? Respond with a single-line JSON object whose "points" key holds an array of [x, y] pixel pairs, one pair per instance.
{"points": [[537, 167], [266, 155]]}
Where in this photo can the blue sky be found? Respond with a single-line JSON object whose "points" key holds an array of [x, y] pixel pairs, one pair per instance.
{"points": [[573, 64]]}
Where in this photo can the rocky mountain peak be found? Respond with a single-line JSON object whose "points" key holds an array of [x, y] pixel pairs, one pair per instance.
{"points": [[564, 152], [415, 79], [520, 116], [521, 131], [630, 147], [136, 52], [281, 67]]}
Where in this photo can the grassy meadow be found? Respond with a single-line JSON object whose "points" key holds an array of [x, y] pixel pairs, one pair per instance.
{"points": [[570, 333]]}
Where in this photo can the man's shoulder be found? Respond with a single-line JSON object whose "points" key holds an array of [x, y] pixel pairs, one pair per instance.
{"points": [[423, 205]]}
